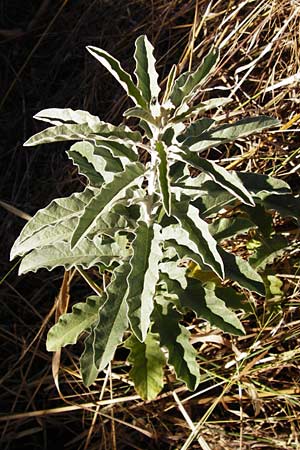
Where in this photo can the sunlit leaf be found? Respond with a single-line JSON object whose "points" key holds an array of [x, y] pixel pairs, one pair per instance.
{"points": [[105, 199], [143, 277], [71, 325], [114, 67], [147, 77]]}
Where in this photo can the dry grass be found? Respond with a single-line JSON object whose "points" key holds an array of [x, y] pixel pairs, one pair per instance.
{"points": [[249, 394]]}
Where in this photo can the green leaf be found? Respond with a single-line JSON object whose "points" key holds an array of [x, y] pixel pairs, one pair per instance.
{"points": [[88, 369], [86, 254], [205, 303], [71, 325], [170, 83], [140, 113], [113, 322], [195, 235], [126, 151], [97, 164], [239, 270], [186, 112], [187, 83], [54, 223], [163, 176], [79, 132], [233, 299], [270, 249], [143, 277], [220, 175], [57, 222], [287, 205], [196, 128], [225, 228], [114, 67], [58, 116], [260, 185], [228, 133], [147, 77], [104, 200], [147, 361], [176, 338]]}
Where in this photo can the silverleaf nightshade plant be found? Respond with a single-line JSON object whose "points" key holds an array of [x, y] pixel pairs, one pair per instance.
{"points": [[155, 229]]}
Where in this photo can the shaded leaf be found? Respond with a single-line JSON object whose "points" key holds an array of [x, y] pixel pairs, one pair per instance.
{"points": [[225, 228], [88, 369], [270, 249], [205, 303], [176, 338], [147, 361], [287, 205], [196, 128], [239, 270]]}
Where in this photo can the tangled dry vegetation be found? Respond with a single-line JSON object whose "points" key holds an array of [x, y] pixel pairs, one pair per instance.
{"points": [[249, 395]]}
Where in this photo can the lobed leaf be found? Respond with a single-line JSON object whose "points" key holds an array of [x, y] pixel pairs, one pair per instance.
{"points": [[205, 303], [163, 177], [96, 163], [114, 67], [57, 116], [86, 254], [186, 84], [195, 235], [220, 175], [143, 277], [147, 77], [83, 131], [109, 330], [105, 199], [71, 325], [228, 133], [51, 224], [176, 338], [147, 361]]}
